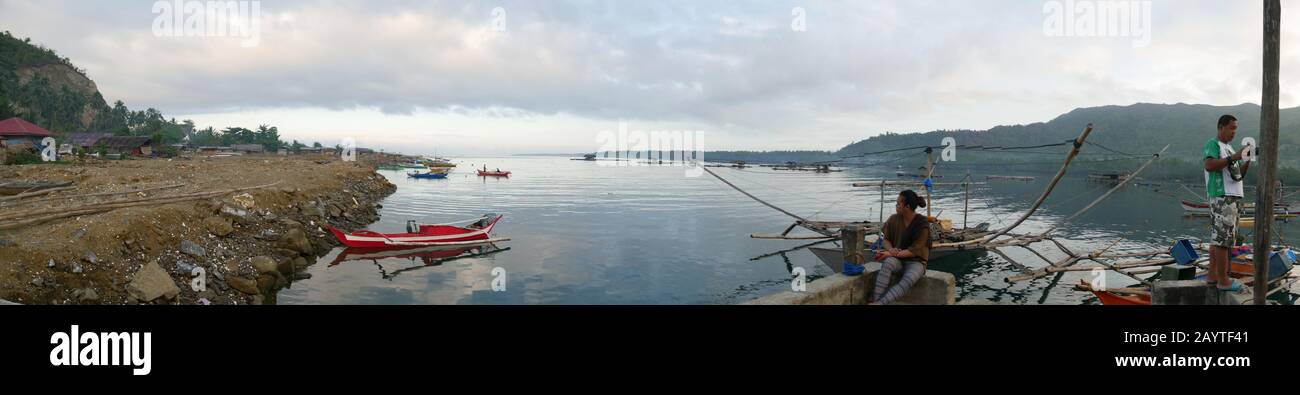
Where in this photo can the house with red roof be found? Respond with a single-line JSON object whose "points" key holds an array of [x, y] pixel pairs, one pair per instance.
{"points": [[16, 132]]}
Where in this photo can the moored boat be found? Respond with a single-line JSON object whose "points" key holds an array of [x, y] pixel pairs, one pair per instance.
{"points": [[434, 175], [422, 234], [497, 173]]}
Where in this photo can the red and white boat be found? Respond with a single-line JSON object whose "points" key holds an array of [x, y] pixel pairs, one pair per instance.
{"points": [[1197, 208], [483, 173], [423, 235]]}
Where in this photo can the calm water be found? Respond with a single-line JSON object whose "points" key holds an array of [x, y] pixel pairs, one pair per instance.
{"points": [[587, 233]]}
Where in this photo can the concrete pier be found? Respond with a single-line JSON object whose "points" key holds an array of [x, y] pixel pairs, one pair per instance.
{"points": [[936, 288], [1193, 292]]}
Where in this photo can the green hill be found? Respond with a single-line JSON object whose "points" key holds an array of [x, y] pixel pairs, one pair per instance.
{"points": [[1121, 135]]}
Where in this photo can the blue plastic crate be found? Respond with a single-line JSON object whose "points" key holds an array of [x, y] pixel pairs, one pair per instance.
{"points": [[1184, 253]]}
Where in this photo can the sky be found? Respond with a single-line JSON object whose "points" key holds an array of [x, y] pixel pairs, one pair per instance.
{"points": [[539, 76]]}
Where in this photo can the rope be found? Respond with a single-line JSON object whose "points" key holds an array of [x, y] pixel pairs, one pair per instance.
{"points": [[733, 186]]}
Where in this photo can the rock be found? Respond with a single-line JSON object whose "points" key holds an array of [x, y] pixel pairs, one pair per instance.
{"points": [[270, 216], [192, 249], [242, 284], [78, 234], [86, 295], [245, 200], [258, 300], [51, 264], [335, 212], [285, 267], [296, 241], [300, 263], [234, 211], [90, 257], [301, 276], [347, 214], [5, 243], [185, 267], [152, 282], [264, 264], [266, 284], [218, 226], [291, 223], [208, 294], [38, 282], [269, 234], [76, 268]]}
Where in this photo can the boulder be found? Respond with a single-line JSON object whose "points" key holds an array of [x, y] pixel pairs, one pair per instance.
{"points": [[218, 226], [295, 240], [152, 282]]}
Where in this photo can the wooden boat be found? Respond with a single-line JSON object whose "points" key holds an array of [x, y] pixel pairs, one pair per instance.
{"points": [[1012, 178], [1242, 268], [482, 173], [433, 175], [834, 257], [422, 235], [1196, 208], [17, 187], [1109, 177]]}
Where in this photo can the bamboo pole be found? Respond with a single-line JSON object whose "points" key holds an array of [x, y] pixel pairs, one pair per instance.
{"points": [[1078, 144], [38, 216], [1117, 186], [36, 193], [1268, 129]]}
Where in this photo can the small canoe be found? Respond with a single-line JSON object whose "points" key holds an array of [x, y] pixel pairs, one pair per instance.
{"points": [[482, 173], [423, 235], [430, 175]]}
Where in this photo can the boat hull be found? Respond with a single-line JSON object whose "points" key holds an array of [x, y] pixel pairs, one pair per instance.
{"points": [[493, 173], [834, 257], [428, 176], [429, 235]]}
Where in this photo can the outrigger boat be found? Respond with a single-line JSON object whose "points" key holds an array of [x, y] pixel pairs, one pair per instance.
{"points": [[482, 173], [424, 234], [1242, 268], [1195, 208], [433, 175]]}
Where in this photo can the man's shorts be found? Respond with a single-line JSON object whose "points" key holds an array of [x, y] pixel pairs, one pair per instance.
{"points": [[1225, 211]]}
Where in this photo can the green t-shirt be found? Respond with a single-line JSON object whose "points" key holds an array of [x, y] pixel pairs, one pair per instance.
{"points": [[1220, 183]]}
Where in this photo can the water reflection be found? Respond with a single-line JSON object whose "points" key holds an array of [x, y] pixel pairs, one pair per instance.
{"points": [[588, 232], [424, 257]]}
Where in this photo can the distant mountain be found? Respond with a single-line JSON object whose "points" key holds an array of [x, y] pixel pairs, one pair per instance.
{"points": [[1121, 136]]}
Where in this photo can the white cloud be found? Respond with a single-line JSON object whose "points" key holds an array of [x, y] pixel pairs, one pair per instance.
{"points": [[563, 71]]}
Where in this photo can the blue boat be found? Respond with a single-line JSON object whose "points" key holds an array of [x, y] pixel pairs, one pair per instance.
{"points": [[430, 175]]}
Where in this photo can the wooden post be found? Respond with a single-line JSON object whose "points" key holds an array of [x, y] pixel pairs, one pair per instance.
{"points": [[1267, 151], [929, 172], [855, 243], [965, 211], [882, 201]]}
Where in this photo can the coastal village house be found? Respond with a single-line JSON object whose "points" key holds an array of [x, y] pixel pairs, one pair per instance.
{"points": [[127, 145], [16, 132], [84, 141], [249, 148]]}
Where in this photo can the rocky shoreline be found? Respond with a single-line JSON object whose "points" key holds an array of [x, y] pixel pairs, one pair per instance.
{"points": [[247, 246]]}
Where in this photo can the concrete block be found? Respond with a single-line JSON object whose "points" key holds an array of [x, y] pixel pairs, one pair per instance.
{"points": [[936, 288]]}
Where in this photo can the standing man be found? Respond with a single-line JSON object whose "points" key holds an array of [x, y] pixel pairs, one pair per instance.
{"points": [[1224, 171]]}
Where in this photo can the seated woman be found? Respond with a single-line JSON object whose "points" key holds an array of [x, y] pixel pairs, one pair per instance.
{"points": [[906, 248]]}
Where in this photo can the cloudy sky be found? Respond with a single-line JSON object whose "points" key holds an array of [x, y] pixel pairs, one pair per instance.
{"points": [[548, 76]]}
